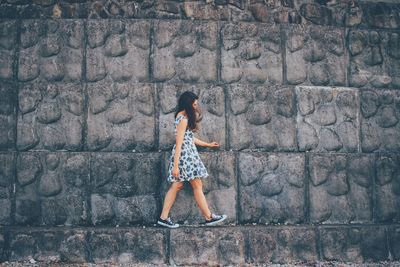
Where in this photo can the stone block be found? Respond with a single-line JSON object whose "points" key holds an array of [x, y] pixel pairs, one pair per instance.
{"points": [[7, 180], [261, 117], [51, 50], [380, 115], [185, 51], [271, 188], [251, 53], [219, 189], [8, 41], [354, 244], [3, 256], [340, 188], [327, 119], [121, 117], [124, 188], [207, 246], [52, 189], [394, 244], [374, 59], [387, 188], [212, 104], [50, 117], [8, 115], [128, 246], [74, 247], [315, 55], [118, 50]]}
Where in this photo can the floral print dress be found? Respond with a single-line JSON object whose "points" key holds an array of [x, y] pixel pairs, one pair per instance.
{"points": [[190, 165]]}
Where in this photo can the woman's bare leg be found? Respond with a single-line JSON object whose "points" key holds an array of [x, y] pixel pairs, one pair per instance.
{"points": [[197, 186], [170, 198]]}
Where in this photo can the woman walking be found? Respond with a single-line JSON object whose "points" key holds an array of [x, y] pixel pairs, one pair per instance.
{"points": [[185, 163]]}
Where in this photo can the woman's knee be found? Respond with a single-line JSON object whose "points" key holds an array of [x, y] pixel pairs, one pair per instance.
{"points": [[196, 184], [177, 186]]}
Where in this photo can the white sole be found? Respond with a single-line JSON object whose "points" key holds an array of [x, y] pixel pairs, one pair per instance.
{"points": [[216, 222], [167, 225]]}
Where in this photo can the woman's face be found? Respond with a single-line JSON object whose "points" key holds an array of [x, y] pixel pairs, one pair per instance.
{"points": [[195, 105]]}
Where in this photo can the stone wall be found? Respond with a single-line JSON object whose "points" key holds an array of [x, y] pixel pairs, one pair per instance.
{"points": [[303, 97]]}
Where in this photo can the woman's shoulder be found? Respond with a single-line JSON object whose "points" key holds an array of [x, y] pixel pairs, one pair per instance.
{"points": [[180, 116]]}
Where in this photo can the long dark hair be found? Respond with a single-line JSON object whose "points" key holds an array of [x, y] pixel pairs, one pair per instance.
{"points": [[185, 103]]}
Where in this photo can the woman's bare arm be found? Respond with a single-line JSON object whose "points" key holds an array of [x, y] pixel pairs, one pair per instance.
{"points": [[199, 142], [180, 132]]}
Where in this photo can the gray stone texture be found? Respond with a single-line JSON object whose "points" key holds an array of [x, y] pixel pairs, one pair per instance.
{"points": [[271, 188], [50, 116], [7, 179], [261, 117], [51, 189], [212, 104], [315, 55], [124, 188], [251, 53], [8, 44], [8, 115], [327, 119], [51, 50], [177, 44], [121, 117], [387, 188], [117, 50], [374, 58], [340, 188], [219, 189], [355, 244], [380, 115]]}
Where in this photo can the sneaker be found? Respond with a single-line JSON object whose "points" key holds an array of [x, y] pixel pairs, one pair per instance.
{"points": [[215, 219], [167, 223]]}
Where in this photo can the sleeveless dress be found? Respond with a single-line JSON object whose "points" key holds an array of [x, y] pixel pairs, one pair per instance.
{"points": [[190, 165]]}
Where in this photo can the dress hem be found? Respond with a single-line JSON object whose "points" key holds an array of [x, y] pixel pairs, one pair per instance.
{"points": [[189, 179]]}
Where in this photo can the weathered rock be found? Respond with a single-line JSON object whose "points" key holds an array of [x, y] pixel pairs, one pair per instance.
{"points": [[271, 188], [123, 188], [185, 51], [51, 189], [8, 108], [50, 117], [212, 104], [251, 53], [341, 188], [7, 179], [8, 42], [327, 119], [261, 117], [219, 189], [121, 117]]}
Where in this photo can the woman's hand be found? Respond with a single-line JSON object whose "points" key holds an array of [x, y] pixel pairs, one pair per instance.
{"points": [[213, 145], [175, 172]]}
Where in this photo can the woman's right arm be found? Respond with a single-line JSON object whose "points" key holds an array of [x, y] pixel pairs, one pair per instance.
{"points": [[180, 132]]}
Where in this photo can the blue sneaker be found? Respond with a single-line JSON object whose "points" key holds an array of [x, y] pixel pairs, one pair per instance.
{"points": [[167, 223], [215, 219]]}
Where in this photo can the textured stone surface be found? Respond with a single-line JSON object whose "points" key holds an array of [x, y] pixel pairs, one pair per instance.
{"points": [[8, 110], [341, 188], [120, 117], [51, 50], [251, 53], [394, 236], [8, 41], [315, 55], [387, 188], [355, 244], [271, 188], [207, 246], [7, 179], [380, 115], [51, 189], [374, 59], [117, 50], [219, 189], [261, 117], [212, 104], [327, 119], [185, 51], [123, 188], [50, 117]]}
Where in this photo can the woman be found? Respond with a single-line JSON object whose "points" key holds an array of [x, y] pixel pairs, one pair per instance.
{"points": [[185, 163]]}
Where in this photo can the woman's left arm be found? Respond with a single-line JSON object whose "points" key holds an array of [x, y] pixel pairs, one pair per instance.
{"points": [[205, 144]]}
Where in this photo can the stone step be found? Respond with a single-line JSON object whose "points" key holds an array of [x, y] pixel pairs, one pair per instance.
{"points": [[191, 245]]}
